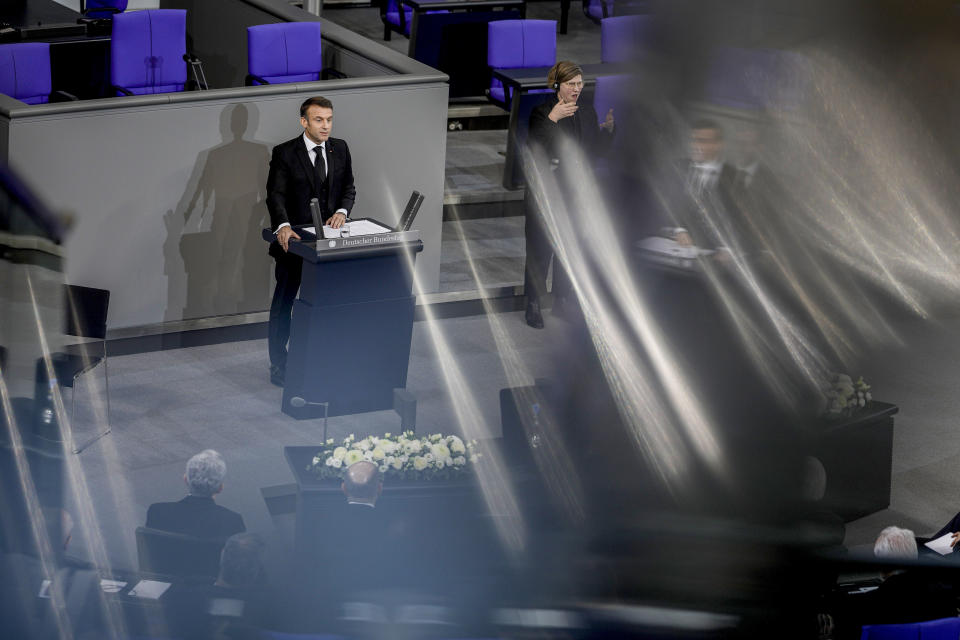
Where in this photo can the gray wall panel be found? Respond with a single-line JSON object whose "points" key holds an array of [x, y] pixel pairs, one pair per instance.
{"points": [[169, 197]]}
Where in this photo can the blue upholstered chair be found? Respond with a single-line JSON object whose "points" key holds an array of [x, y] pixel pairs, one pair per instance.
{"points": [[612, 92], [943, 629], [146, 52], [756, 78], [909, 631], [597, 10], [396, 20], [284, 52], [623, 39], [25, 73], [103, 8], [518, 44]]}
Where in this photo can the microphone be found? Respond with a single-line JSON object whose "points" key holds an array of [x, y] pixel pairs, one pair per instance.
{"points": [[298, 403]]}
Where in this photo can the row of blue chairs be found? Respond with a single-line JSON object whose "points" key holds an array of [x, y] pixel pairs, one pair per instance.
{"points": [[398, 21], [147, 56], [943, 629], [517, 44]]}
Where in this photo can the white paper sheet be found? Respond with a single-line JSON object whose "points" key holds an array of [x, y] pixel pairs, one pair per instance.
{"points": [[668, 247], [151, 589], [942, 544], [111, 586], [357, 228]]}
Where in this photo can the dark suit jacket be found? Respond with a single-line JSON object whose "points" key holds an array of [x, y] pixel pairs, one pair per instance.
{"points": [[291, 183], [717, 208], [195, 516], [582, 129]]}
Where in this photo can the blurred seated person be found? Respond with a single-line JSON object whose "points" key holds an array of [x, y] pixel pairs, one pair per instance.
{"points": [[197, 514], [564, 137], [907, 594], [237, 605], [35, 584], [703, 215]]}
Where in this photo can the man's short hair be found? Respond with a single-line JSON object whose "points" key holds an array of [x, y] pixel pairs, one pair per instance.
{"points": [[706, 123], [361, 481], [205, 473], [241, 561], [315, 101], [894, 542]]}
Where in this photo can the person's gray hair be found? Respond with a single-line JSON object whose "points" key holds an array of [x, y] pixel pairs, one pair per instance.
{"points": [[241, 561], [205, 473], [361, 481], [894, 542]]}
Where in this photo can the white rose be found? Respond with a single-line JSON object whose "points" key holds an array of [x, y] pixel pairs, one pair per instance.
{"points": [[397, 464], [339, 453], [404, 459], [435, 437], [459, 461], [419, 463], [364, 444], [429, 457], [439, 464], [330, 461], [387, 446], [337, 463], [440, 450], [368, 455], [378, 454], [457, 446], [413, 446]]}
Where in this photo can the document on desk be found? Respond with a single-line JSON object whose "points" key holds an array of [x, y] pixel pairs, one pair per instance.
{"points": [[668, 247], [942, 544], [150, 589], [357, 228]]}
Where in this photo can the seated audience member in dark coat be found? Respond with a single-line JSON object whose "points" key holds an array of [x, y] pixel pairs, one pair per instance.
{"points": [[45, 595], [903, 596], [197, 514], [237, 605]]}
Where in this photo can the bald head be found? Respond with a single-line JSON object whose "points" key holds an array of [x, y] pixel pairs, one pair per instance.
{"points": [[361, 482]]}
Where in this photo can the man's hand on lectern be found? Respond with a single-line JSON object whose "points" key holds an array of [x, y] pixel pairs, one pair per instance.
{"points": [[284, 235], [336, 220]]}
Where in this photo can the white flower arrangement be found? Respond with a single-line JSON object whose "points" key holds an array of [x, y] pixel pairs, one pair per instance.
{"points": [[845, 397], [404, 456]]}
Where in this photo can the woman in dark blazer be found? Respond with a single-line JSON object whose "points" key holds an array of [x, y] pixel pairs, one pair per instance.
{"points": [[555, 123]]}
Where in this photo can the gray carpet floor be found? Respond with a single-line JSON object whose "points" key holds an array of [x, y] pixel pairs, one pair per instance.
{"points": [[169, 405]]}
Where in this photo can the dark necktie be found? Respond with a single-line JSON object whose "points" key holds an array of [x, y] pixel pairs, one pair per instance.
{"points": [[319, 166]]}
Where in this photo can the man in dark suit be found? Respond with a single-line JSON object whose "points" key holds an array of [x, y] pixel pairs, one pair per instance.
{"points": [[707, 216], [197, 514], [312, 165], [561, 131]]}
